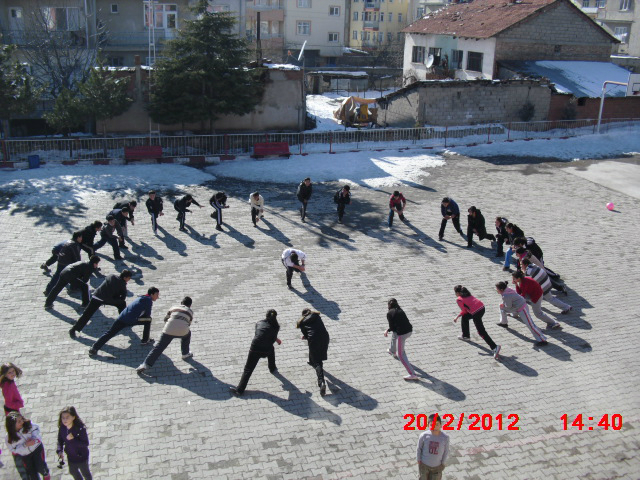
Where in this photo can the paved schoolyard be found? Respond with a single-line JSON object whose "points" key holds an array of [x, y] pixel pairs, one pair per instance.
{"points": [[182, 423]]}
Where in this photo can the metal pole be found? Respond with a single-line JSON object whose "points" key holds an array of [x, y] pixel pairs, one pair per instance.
{"points": [[604, 87]]}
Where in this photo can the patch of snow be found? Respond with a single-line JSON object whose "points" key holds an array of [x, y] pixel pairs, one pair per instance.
{"points": [[372, 169], [281, 66]]}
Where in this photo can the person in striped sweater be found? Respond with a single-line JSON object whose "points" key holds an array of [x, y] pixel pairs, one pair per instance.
{"points": [[473, 309], [540, 276]]}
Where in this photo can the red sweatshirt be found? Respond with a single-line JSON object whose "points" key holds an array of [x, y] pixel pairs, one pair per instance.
{"points": [[530, 289], [12, 398]]}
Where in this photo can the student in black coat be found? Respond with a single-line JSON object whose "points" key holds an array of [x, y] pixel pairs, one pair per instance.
{"points": [[502, 235], [78, 275], [121, 215], [154, 207], [400, 329], [513, 232], [316, 335], [343, 198], [89, 235], [261, 347], [69, 253], [111, 233], [475, 224], [304, 191], [112, 291], [182, 207], [450, 211]]}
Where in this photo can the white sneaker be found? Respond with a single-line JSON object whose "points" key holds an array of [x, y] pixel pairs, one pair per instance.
{"points": [[392, 354], [464, 339], [188, 355], [142, 368], [496, 352], [411, 377]]}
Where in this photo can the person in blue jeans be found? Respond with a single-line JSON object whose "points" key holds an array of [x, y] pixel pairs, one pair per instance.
{"points": [[397, 203], [513, 231], [137, 312]]}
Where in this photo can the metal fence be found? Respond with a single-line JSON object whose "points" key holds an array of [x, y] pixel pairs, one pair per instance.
{"points": [[84, 148]]}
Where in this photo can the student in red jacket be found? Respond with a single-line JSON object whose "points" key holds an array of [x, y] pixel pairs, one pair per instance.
{"points": [[473, 309], [397, 203], [532, 292], [12, 399]]}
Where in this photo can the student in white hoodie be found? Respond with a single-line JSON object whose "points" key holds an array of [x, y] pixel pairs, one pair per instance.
{"points": [[257, 207], [177, 325], [25, 441], [517, 306]]}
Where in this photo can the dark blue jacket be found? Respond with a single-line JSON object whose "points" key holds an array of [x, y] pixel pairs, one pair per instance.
{"points": [[451, 209], [77, 450], [140, 307]]}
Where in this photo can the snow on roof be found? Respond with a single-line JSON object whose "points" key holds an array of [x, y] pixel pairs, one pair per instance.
{"points": [[281, 66], [353, 50], [341, 73], [582, 79]]}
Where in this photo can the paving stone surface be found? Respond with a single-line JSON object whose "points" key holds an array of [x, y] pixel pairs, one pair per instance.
{"points": [[181, 422]]}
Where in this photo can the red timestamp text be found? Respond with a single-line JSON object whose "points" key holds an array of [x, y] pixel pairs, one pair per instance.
{"points": [[583, 422], [473, 421]]}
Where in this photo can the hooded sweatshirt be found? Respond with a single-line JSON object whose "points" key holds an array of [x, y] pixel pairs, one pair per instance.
{"points": [[512, 302]]}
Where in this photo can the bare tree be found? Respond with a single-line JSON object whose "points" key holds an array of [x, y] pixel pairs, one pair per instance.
{"points": [[61, 44]]}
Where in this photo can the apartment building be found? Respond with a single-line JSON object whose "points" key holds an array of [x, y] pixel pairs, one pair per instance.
{"points": [[378, 23], [122, 28]]}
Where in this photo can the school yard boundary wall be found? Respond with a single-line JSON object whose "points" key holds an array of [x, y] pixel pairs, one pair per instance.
{"points": [[207, 149]]}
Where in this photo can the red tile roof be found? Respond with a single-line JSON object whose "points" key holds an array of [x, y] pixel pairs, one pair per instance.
{"points": [[477, 19]]}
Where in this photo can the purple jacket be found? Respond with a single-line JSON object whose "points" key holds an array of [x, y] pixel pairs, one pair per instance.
{"points": [[77, 450]]}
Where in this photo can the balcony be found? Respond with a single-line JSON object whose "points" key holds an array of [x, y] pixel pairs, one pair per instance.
{"points": [[265, 5], [374, 5], [123, 40], [37, 39], [371, 25]]}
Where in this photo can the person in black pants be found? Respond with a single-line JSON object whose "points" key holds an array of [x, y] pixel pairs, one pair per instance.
{"points": [[154, 207], [111, 233], [122, 216], [304, 194], [182, 207], [112, 291], [69, 253], [218, 201], [131, 207], [261, 346], [475, 224], [77, 274], [473, 309], [450, 211], [502, 236], [89, 235], [343, 198], [316, 335]]}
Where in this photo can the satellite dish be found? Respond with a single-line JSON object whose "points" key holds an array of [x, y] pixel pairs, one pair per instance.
{"points": [[302, 50], [429, 61]]}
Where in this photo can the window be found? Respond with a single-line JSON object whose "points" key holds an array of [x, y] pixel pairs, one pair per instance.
{"points": [[456, 59], [624, 4], [585, 3], [166, 15], [621, 33], [380, 37], [420, 12], [64, 19], [355, 35], [355, 16], [391, 16], [114, 9], [382, 16], [417, 55], [437, 55], [334, 11], [361, 35], [303, 27], [304, 3], [115, 61], [389, 37], [367, 16], [474, 61], [367, 35], [601, 3], [399, 36], [582, 101], [399, 18], [333, 37]]}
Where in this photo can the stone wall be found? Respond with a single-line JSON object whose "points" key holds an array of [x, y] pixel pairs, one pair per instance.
{"points": [[465, 103], [560, 32]]}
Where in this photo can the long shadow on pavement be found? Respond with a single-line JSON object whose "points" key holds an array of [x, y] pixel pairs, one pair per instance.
{"points": [[441, 387], [297, 403], [509, 362], [274, 233], [550, 349], [172, 243], [240, 237], [327, 307], [345, 393]]}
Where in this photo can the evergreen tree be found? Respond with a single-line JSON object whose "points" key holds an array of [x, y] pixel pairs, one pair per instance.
{"points": [[67, 114], [203, 73], [16, 94], [103, 95]]}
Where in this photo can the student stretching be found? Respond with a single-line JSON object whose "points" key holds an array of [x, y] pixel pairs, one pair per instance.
{"points": [[473, 309]]}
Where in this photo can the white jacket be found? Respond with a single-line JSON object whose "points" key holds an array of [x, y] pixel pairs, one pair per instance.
{"points": [[257, 204], [20, 447], [286, 256]]}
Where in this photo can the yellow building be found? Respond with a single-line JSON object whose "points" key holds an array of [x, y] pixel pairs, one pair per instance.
{"points": [[377, 23]]}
